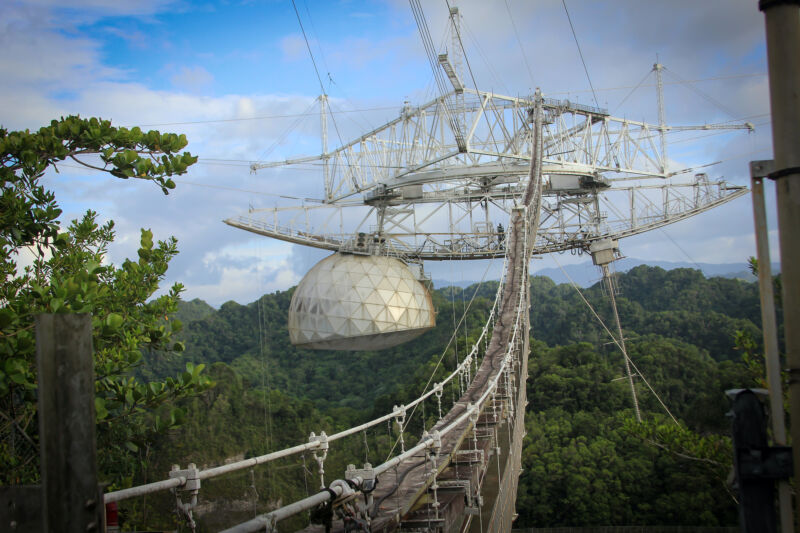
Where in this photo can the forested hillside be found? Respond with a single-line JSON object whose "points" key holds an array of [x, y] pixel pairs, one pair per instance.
{"points": [[586, 461]]}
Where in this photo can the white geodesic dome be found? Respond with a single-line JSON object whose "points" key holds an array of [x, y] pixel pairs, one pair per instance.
{"points": [[358, 302]]}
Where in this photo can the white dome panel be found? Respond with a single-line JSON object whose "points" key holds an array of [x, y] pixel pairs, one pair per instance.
{"points": [[355, 302]]}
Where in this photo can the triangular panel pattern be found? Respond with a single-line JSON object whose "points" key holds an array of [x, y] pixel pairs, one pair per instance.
{"points": [[359, 302]]}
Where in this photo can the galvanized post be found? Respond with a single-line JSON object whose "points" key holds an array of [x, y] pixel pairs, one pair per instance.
{"points": [[71, 500], [782, 19], [759, 169]]}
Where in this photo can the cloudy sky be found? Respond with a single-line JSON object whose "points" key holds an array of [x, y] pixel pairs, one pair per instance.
{"points": [[234, 76]]}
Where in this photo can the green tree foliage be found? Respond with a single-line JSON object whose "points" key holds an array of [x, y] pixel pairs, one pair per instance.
{"points": [[69, 274], [679, 304], [585, 462], [254, 340]]}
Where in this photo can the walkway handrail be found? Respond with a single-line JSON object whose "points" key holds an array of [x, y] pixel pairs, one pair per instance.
{"points": [[172, 483], [176, 482], [268, 521]]}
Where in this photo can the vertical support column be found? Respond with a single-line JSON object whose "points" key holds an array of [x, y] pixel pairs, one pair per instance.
{"points": [[770, 332], [71, 500], [782, 19], [457, 54]]}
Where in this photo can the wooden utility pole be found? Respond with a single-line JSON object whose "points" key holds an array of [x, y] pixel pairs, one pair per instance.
{"points": [[71, 499], [782, 18]]}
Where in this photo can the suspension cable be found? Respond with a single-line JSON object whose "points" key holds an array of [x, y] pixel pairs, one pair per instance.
{"points": [[614, 339]]}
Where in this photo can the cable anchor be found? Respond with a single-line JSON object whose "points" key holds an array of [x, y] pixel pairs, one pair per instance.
{"points": [[436, 446], [322, 438], [191, 487], [400, 419], [438, 390]]}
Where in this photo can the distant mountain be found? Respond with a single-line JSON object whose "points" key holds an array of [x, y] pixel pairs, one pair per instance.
{"points": [[586, 274], [442, 283], [192, 310]]}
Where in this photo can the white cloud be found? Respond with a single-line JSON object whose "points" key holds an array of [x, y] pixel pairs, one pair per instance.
{"points": [[192, 79], [50, 68]]}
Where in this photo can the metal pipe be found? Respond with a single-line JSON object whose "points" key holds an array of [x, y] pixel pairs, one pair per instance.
{"points": [[167, 484], [770, 333], [782, 20], [141, 490], [657, 68], [424, 444], [266, 522]]}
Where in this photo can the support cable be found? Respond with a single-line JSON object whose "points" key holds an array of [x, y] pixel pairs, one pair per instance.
{"points": [[580, 53], [619, 105], [519, 42], [308, 46], [701, 93], [475, 83], [266, 152], [452, 337], [610, 287], [614, 339], [265, 380], [316, 445], [430, 51], [316, 71]]}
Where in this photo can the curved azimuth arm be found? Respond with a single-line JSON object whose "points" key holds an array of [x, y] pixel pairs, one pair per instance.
{"points": [[466, 226]]}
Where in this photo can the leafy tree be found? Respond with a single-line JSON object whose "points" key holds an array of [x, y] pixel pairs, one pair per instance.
{"points": [[587, 462], [68, 275]]}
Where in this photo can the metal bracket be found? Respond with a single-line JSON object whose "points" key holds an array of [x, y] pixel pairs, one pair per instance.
{"points": [[364, 478], [761, 168], [765, 168], [190, 475], [471, 505], [192, 487], [782, 173]]}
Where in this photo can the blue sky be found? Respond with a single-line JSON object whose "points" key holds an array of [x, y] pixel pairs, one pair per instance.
{"points": [[241, 47], [214, 70]]}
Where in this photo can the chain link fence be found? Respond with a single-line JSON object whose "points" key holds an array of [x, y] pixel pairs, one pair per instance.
{"points": [[19, 450]]}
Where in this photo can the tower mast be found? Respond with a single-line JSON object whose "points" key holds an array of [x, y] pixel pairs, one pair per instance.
{"points": [[323, 121], [662, 126]]}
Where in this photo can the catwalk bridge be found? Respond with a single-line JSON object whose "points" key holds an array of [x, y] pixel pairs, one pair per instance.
{"points": [[461, 475], [433, 184]]}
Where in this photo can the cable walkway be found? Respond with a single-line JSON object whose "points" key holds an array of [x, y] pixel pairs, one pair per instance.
{"points": [[462, 474]]}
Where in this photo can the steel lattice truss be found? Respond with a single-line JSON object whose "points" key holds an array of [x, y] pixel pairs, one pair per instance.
{"points": [[429, 185]]}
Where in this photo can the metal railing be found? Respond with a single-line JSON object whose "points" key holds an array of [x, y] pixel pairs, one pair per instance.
{"points": [[316, 442]]}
